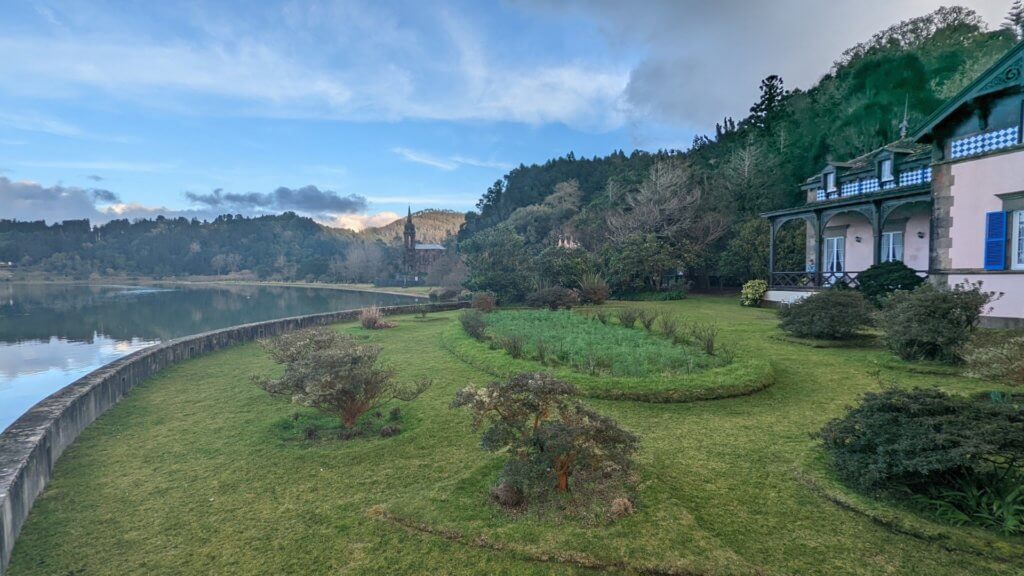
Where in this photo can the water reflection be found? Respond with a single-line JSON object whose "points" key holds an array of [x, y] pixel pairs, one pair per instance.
{"points": [[52, 334]]}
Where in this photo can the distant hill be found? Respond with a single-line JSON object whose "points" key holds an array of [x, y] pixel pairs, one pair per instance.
{"points": [[432, 226]]}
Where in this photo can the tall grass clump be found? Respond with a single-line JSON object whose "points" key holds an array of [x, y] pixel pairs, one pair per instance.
{"points": [[647, 319], [629, 316]]}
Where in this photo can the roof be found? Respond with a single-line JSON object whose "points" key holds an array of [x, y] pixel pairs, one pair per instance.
{"points": [[1006, 73], [913, 150], [429, 247]]}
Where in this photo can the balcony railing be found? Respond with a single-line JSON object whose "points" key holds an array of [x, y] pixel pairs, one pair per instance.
{"points": [[818, 280]]}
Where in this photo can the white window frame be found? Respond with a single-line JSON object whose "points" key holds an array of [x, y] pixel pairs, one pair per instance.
{"points": [[888, 248], [835, 253], [830, 182], [882, 177], [1017, 241]]}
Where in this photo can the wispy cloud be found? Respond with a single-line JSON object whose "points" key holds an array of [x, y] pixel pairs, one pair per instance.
{"points": [[37, 123], [425, 159], [448, 163]]}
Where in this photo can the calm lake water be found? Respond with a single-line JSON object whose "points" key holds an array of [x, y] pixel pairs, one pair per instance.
{"points": [[52, 334]]}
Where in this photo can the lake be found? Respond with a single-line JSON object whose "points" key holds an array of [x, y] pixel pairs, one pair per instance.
{"points": [[53, 334]]}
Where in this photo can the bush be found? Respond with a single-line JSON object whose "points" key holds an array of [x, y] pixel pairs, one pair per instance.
{"points": [[992, 500], [647, 319], [445, 294], [669, 327], [553, 298], [372, 318], [593, 289], [830, 315], [333, 373], [515, 346], [753, 293], [705, 334], [1001, 360], [553, 442], [390, 430], [922, 437], [601, 316], [484, 302], [629, 316], [881, 280], [932, 323], [661, 296], [474, 323]]}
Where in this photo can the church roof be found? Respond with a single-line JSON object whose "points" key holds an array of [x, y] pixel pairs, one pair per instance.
{"points": [[429, 247]]}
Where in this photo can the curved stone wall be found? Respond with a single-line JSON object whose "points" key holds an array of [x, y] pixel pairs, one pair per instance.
{"points": [[30, 447]]}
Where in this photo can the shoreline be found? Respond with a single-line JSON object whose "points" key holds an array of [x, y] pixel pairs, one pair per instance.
{"points": [[419, 292]]}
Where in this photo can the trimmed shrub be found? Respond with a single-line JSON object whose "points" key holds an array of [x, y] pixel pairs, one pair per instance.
{"points": [[474, 323], [1001, 360], [753, 293], [593, 289], [829, 315], [921, 437], [553, 298], [880, 280], [484, 302], [515, 346], [932, 323]]}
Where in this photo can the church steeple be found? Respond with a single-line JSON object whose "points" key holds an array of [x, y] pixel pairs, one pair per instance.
{"points": [[410, 232]]}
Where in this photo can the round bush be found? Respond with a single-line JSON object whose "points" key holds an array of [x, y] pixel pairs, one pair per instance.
{"points": [[753, 293], [881, 280], [830, 315], [553, 298], [932, 323]]}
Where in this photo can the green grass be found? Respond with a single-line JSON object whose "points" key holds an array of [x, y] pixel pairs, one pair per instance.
{"points": [[587, 345], [189, 475]]}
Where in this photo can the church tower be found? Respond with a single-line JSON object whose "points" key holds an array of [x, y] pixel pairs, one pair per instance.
{"points": [[409, 259]]}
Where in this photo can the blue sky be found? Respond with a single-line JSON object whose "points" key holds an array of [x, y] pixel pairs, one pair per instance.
{"points": [[348, 111]]}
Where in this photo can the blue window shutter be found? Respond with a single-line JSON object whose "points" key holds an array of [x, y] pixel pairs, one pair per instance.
{"points": [[995, 240]]}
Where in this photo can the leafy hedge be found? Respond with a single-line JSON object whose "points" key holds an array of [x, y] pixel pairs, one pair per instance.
{"points": [[835, 314]]}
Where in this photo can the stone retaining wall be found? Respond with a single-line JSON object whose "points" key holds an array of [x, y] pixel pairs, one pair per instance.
{"points": [[30, 447]]}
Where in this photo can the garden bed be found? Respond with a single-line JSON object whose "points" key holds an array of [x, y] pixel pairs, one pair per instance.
{"points": [[813, 473], [739, 377]]}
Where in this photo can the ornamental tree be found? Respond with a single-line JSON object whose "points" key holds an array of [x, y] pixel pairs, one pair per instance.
{"points": [[334, 373]]}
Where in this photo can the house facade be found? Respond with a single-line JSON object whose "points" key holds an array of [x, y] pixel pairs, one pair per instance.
{"points": [[947, 200]]}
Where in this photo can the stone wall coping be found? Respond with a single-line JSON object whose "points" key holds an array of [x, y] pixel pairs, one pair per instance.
{"points": [[30, 447]]}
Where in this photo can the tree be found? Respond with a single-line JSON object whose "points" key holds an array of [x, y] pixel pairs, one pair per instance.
{"points": [[499, 262], [334, 373], [547, 433], [1015, 19], [661, 203], [766, 110], [639, 264], [564, 266]]}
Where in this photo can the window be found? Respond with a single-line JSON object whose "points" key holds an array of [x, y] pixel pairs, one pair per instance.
{"points": [[834, 253], [830, 182], [892, 246], [885, 170], [1017, 246]]}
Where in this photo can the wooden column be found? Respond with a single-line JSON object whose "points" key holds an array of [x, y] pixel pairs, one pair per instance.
{"points": [[771, 252]]}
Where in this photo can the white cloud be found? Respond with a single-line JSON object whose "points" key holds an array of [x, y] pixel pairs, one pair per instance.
{"points": [[36, 123]]}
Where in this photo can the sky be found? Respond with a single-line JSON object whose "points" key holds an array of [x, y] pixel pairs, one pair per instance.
{"points": [[350, 111]]}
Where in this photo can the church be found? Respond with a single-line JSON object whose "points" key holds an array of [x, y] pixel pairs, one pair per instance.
{"points": [[417, 258]]}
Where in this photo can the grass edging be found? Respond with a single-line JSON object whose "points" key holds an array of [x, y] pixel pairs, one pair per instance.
{"points": [[739, 378], [928, 368], [857, 342], [951, 538], [571, 558]]}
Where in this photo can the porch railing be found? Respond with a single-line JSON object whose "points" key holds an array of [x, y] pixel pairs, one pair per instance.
{"points": [[816, 280]]}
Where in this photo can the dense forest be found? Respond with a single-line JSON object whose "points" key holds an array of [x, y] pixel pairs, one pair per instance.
{"points": [[277, 247], [701, 206]]}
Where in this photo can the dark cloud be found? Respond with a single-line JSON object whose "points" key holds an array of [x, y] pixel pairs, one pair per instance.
{"points": [[307, 199], [105, 196], [95, 177]]}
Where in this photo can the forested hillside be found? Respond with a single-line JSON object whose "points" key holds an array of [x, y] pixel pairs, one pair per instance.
{"points": [[432, 226], [701, 206], [283, 247]]}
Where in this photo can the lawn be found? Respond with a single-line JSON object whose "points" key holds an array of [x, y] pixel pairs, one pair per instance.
{"points": [[190, 475]]}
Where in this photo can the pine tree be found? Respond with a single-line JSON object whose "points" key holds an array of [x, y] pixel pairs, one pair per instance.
{"points": [[1015, 19], [765, 110]]}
